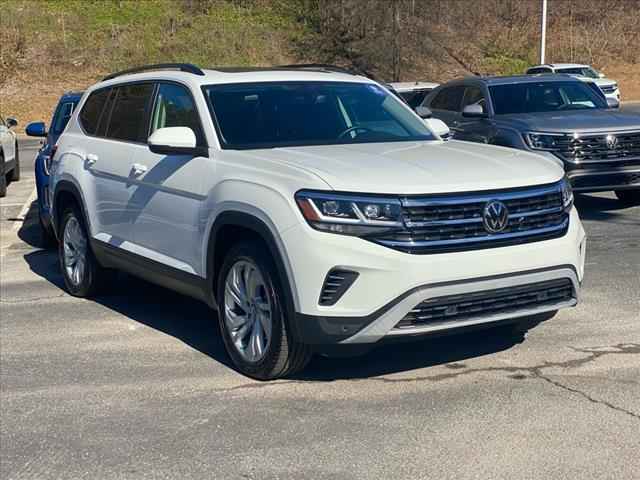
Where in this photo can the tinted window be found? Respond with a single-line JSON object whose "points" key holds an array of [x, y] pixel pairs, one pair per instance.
{"points": [[584, 71], [538, 70], [474, 96], [92, 109], [61, 117], [129, 113], [544, 97], [414, 97], [266, 115], [175, 108], [448, 99]]}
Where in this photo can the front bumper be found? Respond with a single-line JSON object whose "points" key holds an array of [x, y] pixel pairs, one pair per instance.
{"points": [[594, 179], [392, 283]]}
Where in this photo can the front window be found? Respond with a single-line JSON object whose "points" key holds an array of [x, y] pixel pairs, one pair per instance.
{"points": [[62, 116], [544, 97], [270, 115], [582, 71]]}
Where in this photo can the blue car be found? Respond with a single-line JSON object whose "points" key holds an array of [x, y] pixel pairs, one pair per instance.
{"points": [[61, 116]]}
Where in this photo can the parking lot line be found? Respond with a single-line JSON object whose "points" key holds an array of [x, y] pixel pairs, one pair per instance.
{"points": [[25, 209]]}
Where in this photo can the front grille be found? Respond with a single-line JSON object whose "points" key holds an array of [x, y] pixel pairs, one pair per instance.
{"points": [[609, 88], [618, 179], [456, 222], [599, 147], [490, 302]]}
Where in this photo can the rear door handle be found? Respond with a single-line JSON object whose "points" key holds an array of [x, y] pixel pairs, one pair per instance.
{"points": [[138, 169], [91, 159]]}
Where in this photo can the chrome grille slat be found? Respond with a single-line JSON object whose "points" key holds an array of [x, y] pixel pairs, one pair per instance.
{"points": [[594, 147], [490, 302], [454, 222]]}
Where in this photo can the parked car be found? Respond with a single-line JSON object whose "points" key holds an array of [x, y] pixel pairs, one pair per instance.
{"points": [[413, 92], [312, 208], [556, 116], [9, 154], [61, 116], [583, 72]]}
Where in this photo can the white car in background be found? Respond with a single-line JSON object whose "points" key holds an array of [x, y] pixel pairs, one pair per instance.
{"points": [[583, 72]]}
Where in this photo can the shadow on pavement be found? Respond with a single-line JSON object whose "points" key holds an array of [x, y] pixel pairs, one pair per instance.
{"points": [[599, 208]]}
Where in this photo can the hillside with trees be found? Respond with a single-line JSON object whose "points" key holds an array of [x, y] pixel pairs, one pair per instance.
{"points": [[49, 46]]}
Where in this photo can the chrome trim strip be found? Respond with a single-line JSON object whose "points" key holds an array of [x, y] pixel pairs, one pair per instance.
{"points": [[487, 238], [463, 221], [462, 199]]}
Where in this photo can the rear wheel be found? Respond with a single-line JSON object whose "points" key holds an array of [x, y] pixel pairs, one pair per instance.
{"points": [[15, 173], [81, 272], [628, 197], [252, 316]]}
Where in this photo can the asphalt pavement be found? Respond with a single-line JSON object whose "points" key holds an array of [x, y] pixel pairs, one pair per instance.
{"points": [[136, 384]]}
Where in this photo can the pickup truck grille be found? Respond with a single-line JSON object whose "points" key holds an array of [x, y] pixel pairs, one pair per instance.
{"points": [[448, 223], [599, 147], [489, 302]]}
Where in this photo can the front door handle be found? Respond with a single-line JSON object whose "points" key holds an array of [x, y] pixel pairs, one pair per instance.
{"points": [[138, 169], [91, 159]]}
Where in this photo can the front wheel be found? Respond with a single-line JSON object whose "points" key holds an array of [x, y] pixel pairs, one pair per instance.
{"points": [[15, 173], [252, 316], [628, 197], [82, 274]]}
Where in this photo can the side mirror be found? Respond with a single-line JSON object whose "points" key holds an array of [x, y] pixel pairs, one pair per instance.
{"points": [[11, 122], [474, 111], [175, 141], [423, 112], [438, 127], [601, 75], [613, 102], [36, 129]]}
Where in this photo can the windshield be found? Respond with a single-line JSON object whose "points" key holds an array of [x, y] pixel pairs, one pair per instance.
{"points": [[583, 71], [544, 97], [269, 115]]}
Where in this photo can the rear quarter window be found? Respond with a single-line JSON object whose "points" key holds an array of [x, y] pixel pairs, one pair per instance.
{"points": [[92, 109]]}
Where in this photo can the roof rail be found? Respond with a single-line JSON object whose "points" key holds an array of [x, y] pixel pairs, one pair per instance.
{"points": [[183, 67], [318, 66]]}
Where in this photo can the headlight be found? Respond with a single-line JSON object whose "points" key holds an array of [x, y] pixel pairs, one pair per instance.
{"points": [[567, 194], [349, 214], [543, 141]]}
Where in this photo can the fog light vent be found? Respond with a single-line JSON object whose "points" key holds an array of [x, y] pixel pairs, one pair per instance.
{"points": [[335, 284]]}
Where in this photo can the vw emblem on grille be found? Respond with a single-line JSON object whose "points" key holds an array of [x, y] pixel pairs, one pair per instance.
{"points": [[495, 216], [612, 142]]}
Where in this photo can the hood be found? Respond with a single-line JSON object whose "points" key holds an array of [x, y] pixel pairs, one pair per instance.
{"points": [[418, 167], [572, 121]]}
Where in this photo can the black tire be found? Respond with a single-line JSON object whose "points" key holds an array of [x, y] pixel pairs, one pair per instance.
{"points": [[15, 173], [283, 355], [94, 275], [47, 237], [628, 197], [3, 180]]}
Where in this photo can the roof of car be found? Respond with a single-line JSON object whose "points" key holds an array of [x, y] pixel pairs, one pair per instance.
{"points": [[193, 75], [514, 79], [71, 95], [563, 65]]}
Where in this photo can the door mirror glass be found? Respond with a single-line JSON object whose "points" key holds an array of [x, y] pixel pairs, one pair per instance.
{"points": [[11, 122], [423, 112], [176, 141], [438, 127], [474, 111], [36, 129], [613, 102]]}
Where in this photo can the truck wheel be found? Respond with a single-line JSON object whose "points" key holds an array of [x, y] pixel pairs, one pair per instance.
{"points": [[83, 275], [628, 197], [15, 173], [252, 315]]}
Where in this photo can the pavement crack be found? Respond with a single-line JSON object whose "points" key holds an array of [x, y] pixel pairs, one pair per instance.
{"points": [[586, 396], [33, 299]]}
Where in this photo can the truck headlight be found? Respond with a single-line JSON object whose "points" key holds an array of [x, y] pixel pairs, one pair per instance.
{"points": [[349, 214], [567, 194], [543, 141]]}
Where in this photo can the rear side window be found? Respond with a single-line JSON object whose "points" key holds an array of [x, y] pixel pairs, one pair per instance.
{"points": [[92, 109], [62, 116], [448, 99], [128, 120], [175, 108]]}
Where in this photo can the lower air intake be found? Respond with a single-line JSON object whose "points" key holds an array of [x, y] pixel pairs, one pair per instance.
{"points": [[335, 284]]}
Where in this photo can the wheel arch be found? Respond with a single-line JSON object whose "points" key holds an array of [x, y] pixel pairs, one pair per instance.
{"points": [[66, 191]]}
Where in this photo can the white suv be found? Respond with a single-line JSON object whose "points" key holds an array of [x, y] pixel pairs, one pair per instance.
{"points": [[583, 72], [311, 208]]}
